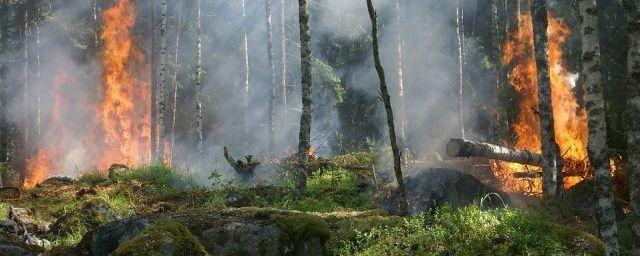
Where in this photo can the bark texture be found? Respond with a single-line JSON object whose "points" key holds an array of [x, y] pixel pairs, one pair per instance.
{"points": [[552, 176], [154, 83], [162, 84], [460, 38], [272, 66], [632, 12], [176, 69], [402, 120], [397, 164], [198, 89], [245, 73], [466, 148], [304, 142], [591, 71], [283, 63]]}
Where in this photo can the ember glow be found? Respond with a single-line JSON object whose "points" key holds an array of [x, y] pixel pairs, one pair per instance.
{"points": [[570, 119], [120, 116]]}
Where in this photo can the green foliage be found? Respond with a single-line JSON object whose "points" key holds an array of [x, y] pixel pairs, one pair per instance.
{"points": [[93, 178], [470, 231], [158, 179], [4, 210], [170, 238]]}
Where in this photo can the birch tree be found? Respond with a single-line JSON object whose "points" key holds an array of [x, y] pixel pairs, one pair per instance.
{"points": [[460, 38], [304, 138], [402, 119], [592, 73], [162, 84], [283, 63], [551, 171], [386, 98], [176, 69], [198, 82], [154, 83], [632, 13], [272, 66], [245, 72]]}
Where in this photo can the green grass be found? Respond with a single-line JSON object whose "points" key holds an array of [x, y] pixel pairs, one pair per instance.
{"points": [[4, 210], [470, 231]]}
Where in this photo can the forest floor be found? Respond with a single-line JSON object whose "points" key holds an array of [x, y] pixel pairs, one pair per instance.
{"points": [[154, 210]]}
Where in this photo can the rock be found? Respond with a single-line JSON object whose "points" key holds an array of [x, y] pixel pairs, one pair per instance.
{"points": [[59, 181], [166, 239], [9, 226], [36, 241], [581, 201], [92, 213], [428, 189], [106, 238], [243, 238], [116, 169], [12, 250]]}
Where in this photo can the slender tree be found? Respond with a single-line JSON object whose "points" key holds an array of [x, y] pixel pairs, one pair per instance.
{"points": [[397, 165], [402, 119], [283, 63], [592, 72], [632, 13], [460, 38], [162, 84], [245, 71], [26, 118], [552, 179], [198, 82], [154, 83], [176, 69], [272, 66], [304, 142]]}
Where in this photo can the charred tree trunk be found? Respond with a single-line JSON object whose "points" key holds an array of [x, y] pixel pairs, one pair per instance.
{"points": [[245, 72], [552, 176], [283, 64], [466, 148], [632, 13], [460, 38], [272, 66], [198, 78], [176, 63], [397, 165], [500, 125], [592, 72], [162, 84], [304, 142]]}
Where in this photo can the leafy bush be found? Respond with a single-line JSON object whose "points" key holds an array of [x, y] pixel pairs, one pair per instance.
{"points": [[471, 231], [158, 179]]}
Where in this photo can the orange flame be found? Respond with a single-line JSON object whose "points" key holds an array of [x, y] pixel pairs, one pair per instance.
{"points": [[570, 119], [125, 107], [121, 131]]}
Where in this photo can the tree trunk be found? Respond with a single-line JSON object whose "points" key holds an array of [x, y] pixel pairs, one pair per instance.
{"points": [[37, 50], [283, 64], [26, 119], [397, 165], [176, 69], [460, 38], [552, 176], [272, 66], [466, 148], [304, 142], [162, 84], [96, 41], [198, 82], [245, 70], [500, 125], [402, 120], [591, 70], [154, 84], [632, 13]]}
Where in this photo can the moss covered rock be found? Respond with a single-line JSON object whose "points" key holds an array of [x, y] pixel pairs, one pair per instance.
{"points": [[92, 213], [164, 239]]}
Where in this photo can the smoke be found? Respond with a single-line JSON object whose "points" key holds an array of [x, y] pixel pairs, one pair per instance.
{"points": [[67, 54]]}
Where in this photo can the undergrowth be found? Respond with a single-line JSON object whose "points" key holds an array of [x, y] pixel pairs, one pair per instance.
{"points": [[471, 231]]}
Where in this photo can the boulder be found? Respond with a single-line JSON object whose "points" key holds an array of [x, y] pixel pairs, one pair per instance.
{"points": [[165, 239], [12, 250], [106, 238], [243, 238], [428, 189]]}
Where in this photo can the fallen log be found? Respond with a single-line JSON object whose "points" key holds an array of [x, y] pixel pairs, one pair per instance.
{"points": [[466, 148]]}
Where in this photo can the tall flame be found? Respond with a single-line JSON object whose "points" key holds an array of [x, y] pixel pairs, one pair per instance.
{"points": [[570, 118], [121, 118], [125, 107]]}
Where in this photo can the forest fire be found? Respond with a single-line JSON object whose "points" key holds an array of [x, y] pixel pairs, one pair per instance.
{"points": [[570, 118], [120, 130], [125, 107]]}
